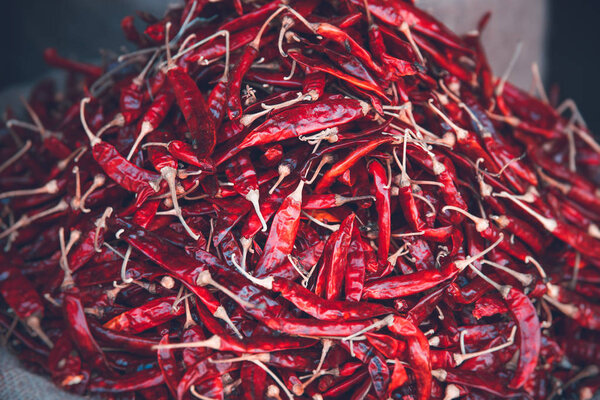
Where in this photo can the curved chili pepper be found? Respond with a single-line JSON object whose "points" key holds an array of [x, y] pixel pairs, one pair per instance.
{"points": [[282, 235], [79, 329], [382, 204], [242, 174], [339, 168], [148, 378], [320, 65], [330, 279], [168, 366], [195, 110], [52, 58], [20, 295]]}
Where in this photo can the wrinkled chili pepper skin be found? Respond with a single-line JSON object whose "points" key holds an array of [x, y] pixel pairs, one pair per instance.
{"points": [[80, 331], [282, 235], [316, 236], [18, 291], [306, 119], [194, 109], [139, 319], [529, 335], [406, 285], [382, 204], [127, 175], [144, 379], [335, 259]]}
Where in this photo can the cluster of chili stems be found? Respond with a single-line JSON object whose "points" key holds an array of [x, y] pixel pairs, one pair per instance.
{"points": [[300, 200]]}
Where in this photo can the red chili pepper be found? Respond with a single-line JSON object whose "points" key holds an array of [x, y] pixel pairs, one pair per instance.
{"points": [[144, 379], [330, 279], [242, 174], [80, 331], [153, 117], [131, 33], [21, 296], [382, 203], [341, 166], [319, 65], [194, 109], [52, 58], [282, 235]]}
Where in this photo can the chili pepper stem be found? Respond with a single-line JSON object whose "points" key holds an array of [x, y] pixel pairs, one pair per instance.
{"points": [[94, 140], [62, 164], [481, 224], [524, 279], [214, 342], [24, 149], [189, 321], [253, 197], [64, 251], [503, 289], [332, 228], [461, 134], [124, 276], [462, 264], [274, 377], [267, 282], [387, 320], [264, 357], [49, 188], [513, 61], [405, 29], [118, 121], [198, 395], [145, 129], [547, 223], [98, 181], [169, 174], [326, 159], [329, 134], [101, 224], [205, 278], [460, 358], [33, 322], [248, 119], [27, 220], [327, 344], [284, 171], [246, 244], [452, 392], [222, 314], [567, 309]]}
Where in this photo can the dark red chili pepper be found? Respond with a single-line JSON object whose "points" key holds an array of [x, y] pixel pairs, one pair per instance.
{"points": [[168, 366], [21, 296], [144, 379], [142, 318], [382, 204], [330, 279], [52, 58], [282, 235], [79, 329], [242, 174], [194, 109], [153, 117], [127, 175], [341, 166], [319, 65]]}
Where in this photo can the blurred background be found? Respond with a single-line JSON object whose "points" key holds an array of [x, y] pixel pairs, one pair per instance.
{"points": [[559, 35]]}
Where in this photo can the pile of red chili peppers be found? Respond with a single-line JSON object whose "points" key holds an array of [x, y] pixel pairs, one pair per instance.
{"points": [[305, 199]]}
